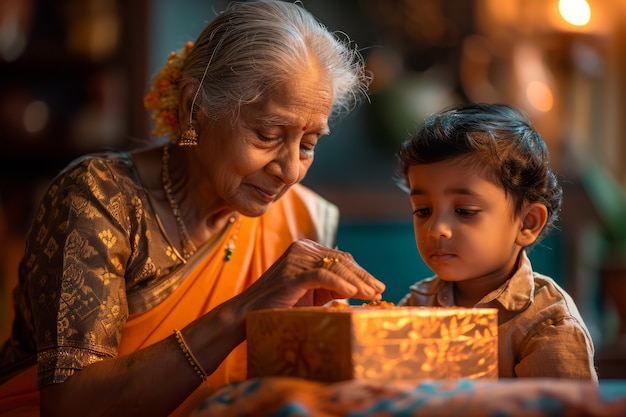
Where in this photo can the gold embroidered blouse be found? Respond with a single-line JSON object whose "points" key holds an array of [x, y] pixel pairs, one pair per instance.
{"points": [[94, 255]]}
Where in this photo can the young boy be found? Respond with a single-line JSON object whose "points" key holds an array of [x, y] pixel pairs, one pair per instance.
{"points": [[482, 193]]}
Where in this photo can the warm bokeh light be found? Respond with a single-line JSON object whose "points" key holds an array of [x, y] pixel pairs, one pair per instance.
{"points": [[576, 12], [540, 96], [36, 116]]}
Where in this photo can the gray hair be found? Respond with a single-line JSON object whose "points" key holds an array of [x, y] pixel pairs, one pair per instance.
{"points": [[252, 48]]}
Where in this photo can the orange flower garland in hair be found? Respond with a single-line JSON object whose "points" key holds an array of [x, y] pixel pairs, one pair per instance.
{"points": [[164, 95]]}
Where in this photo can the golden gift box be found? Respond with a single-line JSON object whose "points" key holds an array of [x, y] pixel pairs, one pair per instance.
{"points": [[334, 344]]}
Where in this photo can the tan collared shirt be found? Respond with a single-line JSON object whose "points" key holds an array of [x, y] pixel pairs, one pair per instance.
{"points": [[540, 330]]}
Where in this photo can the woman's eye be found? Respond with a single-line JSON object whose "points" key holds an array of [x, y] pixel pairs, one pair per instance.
{"points": [[266, 138], [307, 150]]}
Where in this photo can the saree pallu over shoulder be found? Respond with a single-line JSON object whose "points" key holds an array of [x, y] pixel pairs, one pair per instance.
{"points": [[207, 280], [314, 210], [300, 213]]}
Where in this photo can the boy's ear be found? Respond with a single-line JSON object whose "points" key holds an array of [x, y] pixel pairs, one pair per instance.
{"points": [[534, 217]]}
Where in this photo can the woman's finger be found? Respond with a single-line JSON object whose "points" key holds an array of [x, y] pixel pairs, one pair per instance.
{"points": [[344, 265], [311, 274]]}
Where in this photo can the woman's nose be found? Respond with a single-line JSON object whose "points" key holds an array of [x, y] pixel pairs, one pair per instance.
{"points": [[287, 164]]}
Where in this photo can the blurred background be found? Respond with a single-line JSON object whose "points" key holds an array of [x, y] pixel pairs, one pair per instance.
{"points": [[73, 74]]}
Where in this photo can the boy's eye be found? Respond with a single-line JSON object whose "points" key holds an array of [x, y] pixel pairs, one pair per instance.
{"points": [[421, 212], [466, 212]]}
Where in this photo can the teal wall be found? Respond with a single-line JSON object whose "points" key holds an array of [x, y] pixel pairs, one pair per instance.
{"points": [[173, 23]]}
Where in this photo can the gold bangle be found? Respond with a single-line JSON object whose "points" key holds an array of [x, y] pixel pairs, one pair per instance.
{"points": [[189, 356]]}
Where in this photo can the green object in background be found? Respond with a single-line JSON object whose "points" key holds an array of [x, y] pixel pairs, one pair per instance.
{"points": [[609, 199]]}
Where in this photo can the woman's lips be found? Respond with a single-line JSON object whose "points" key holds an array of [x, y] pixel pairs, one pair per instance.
{"points": [[267, 196]]}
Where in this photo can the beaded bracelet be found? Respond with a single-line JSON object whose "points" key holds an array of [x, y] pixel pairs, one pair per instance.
{"points": [[190, 358]]}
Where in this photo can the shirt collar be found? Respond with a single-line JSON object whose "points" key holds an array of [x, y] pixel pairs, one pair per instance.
{"points": [[514, 295]]}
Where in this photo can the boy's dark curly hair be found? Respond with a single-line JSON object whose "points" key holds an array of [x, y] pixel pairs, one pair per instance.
{"points": [[497, 139]]}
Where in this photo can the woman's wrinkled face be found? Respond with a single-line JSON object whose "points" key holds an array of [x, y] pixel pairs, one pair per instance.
{"points": [[463, 222], [272, 144]]}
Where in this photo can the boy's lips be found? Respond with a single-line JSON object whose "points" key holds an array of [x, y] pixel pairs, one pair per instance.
{"points": [[441, 256]]}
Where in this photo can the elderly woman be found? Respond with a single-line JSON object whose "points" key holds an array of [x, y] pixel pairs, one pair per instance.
{"points": [[140, 267]]}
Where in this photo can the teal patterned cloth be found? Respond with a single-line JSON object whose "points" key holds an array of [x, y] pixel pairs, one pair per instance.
{"points": [[291, 397]]}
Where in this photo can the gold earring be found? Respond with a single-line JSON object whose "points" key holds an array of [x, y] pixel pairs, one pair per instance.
{"points": [[189, 136]]}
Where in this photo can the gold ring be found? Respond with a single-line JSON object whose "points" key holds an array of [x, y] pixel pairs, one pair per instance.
{"points": [[327, 261]]}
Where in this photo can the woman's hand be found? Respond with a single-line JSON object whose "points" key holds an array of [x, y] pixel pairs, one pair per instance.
{"points": [[310, 274]]}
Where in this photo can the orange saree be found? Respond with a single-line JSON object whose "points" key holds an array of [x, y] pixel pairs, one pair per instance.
{"points": [[205, 282]]}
